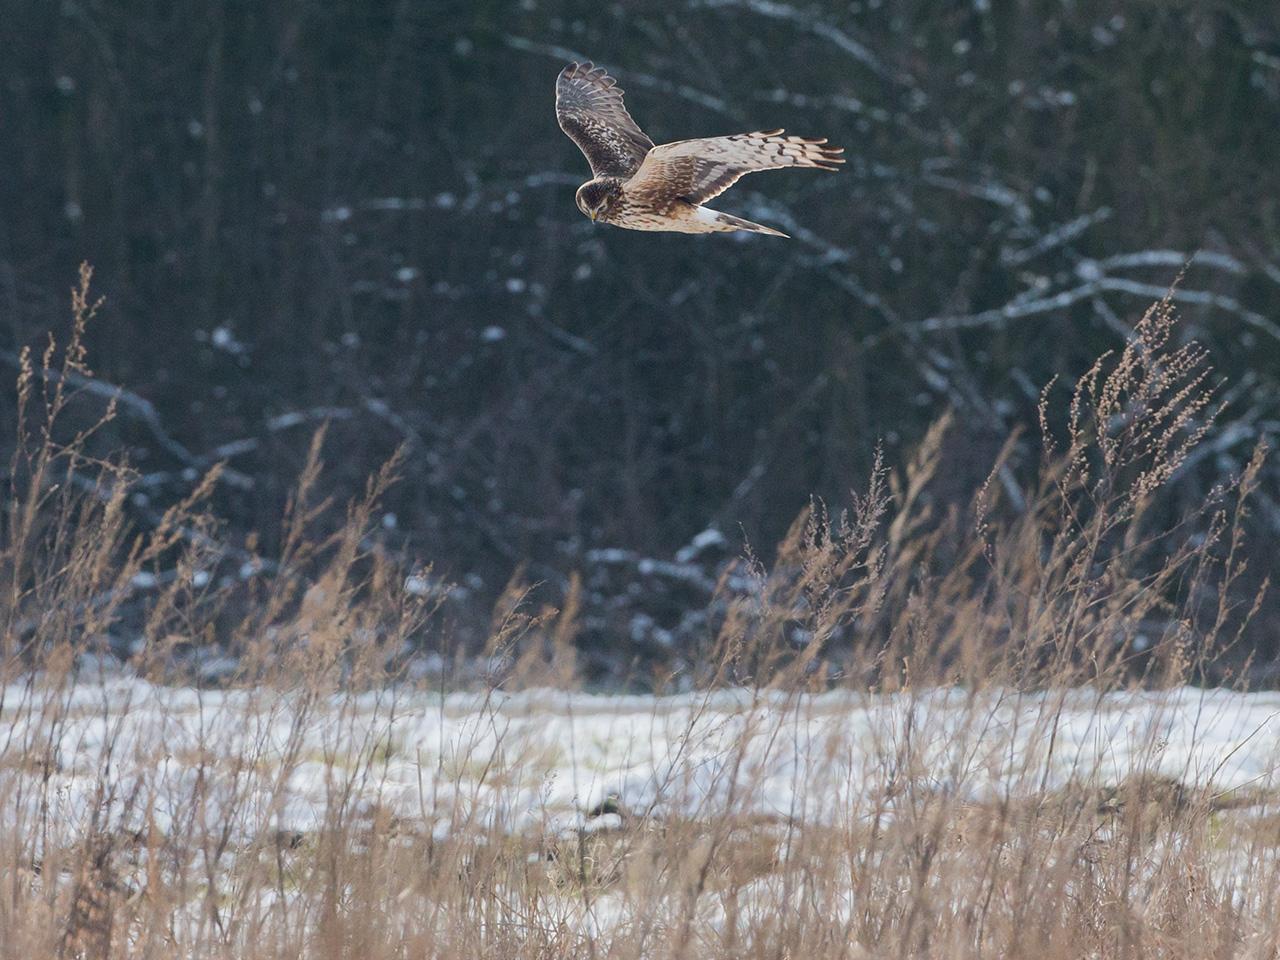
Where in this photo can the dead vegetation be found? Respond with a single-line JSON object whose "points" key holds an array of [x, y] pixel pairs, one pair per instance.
{"points": [[1056, 579]]}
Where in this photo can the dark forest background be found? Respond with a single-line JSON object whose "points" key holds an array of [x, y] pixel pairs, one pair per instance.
{"points": [[362, 213]]}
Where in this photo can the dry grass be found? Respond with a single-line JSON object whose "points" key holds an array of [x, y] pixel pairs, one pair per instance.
{"points": [[177, 848]]}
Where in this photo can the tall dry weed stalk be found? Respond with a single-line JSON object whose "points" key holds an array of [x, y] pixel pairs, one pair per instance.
{"points": [[1058, 574]]}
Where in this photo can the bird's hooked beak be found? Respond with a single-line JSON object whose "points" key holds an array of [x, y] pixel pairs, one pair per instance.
{"points": [[593, 214]]}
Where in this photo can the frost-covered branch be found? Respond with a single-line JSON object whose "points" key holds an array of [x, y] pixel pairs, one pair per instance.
{"points": [[140, 409], [1102, 284], [1054, 238], [817, 26]]}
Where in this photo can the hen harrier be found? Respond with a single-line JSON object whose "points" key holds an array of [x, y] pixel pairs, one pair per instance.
{"points": [[644, 187]]}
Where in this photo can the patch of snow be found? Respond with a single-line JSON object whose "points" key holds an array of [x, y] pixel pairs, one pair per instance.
{"points": [[706, 539], [1089, 270], [224, 339], [813, 757]]}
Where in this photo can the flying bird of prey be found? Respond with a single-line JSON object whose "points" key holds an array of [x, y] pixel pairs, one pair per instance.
{"points": [[644, 187]]}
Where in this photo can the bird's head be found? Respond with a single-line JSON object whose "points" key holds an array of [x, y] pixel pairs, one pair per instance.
{"points": [[596, 198]]}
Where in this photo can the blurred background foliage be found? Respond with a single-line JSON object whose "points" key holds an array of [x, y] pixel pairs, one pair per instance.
{"points": [[362, 212]]}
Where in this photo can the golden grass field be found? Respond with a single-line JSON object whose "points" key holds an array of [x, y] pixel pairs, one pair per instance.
{"points": [[914, 735]]}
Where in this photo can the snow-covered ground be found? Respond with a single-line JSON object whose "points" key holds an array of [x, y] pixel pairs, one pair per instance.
{"points": [[541, 760]]}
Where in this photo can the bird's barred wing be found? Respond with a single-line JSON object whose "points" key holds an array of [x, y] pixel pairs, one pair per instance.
{"points": [[589, 109], [697, 170]]}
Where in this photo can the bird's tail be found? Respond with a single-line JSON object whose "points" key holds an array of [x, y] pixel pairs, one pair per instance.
{"points": [[727, 222]]}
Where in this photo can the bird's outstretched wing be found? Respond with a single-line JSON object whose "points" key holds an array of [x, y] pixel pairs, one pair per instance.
{"points": [[697, 170], [589, 109]]}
